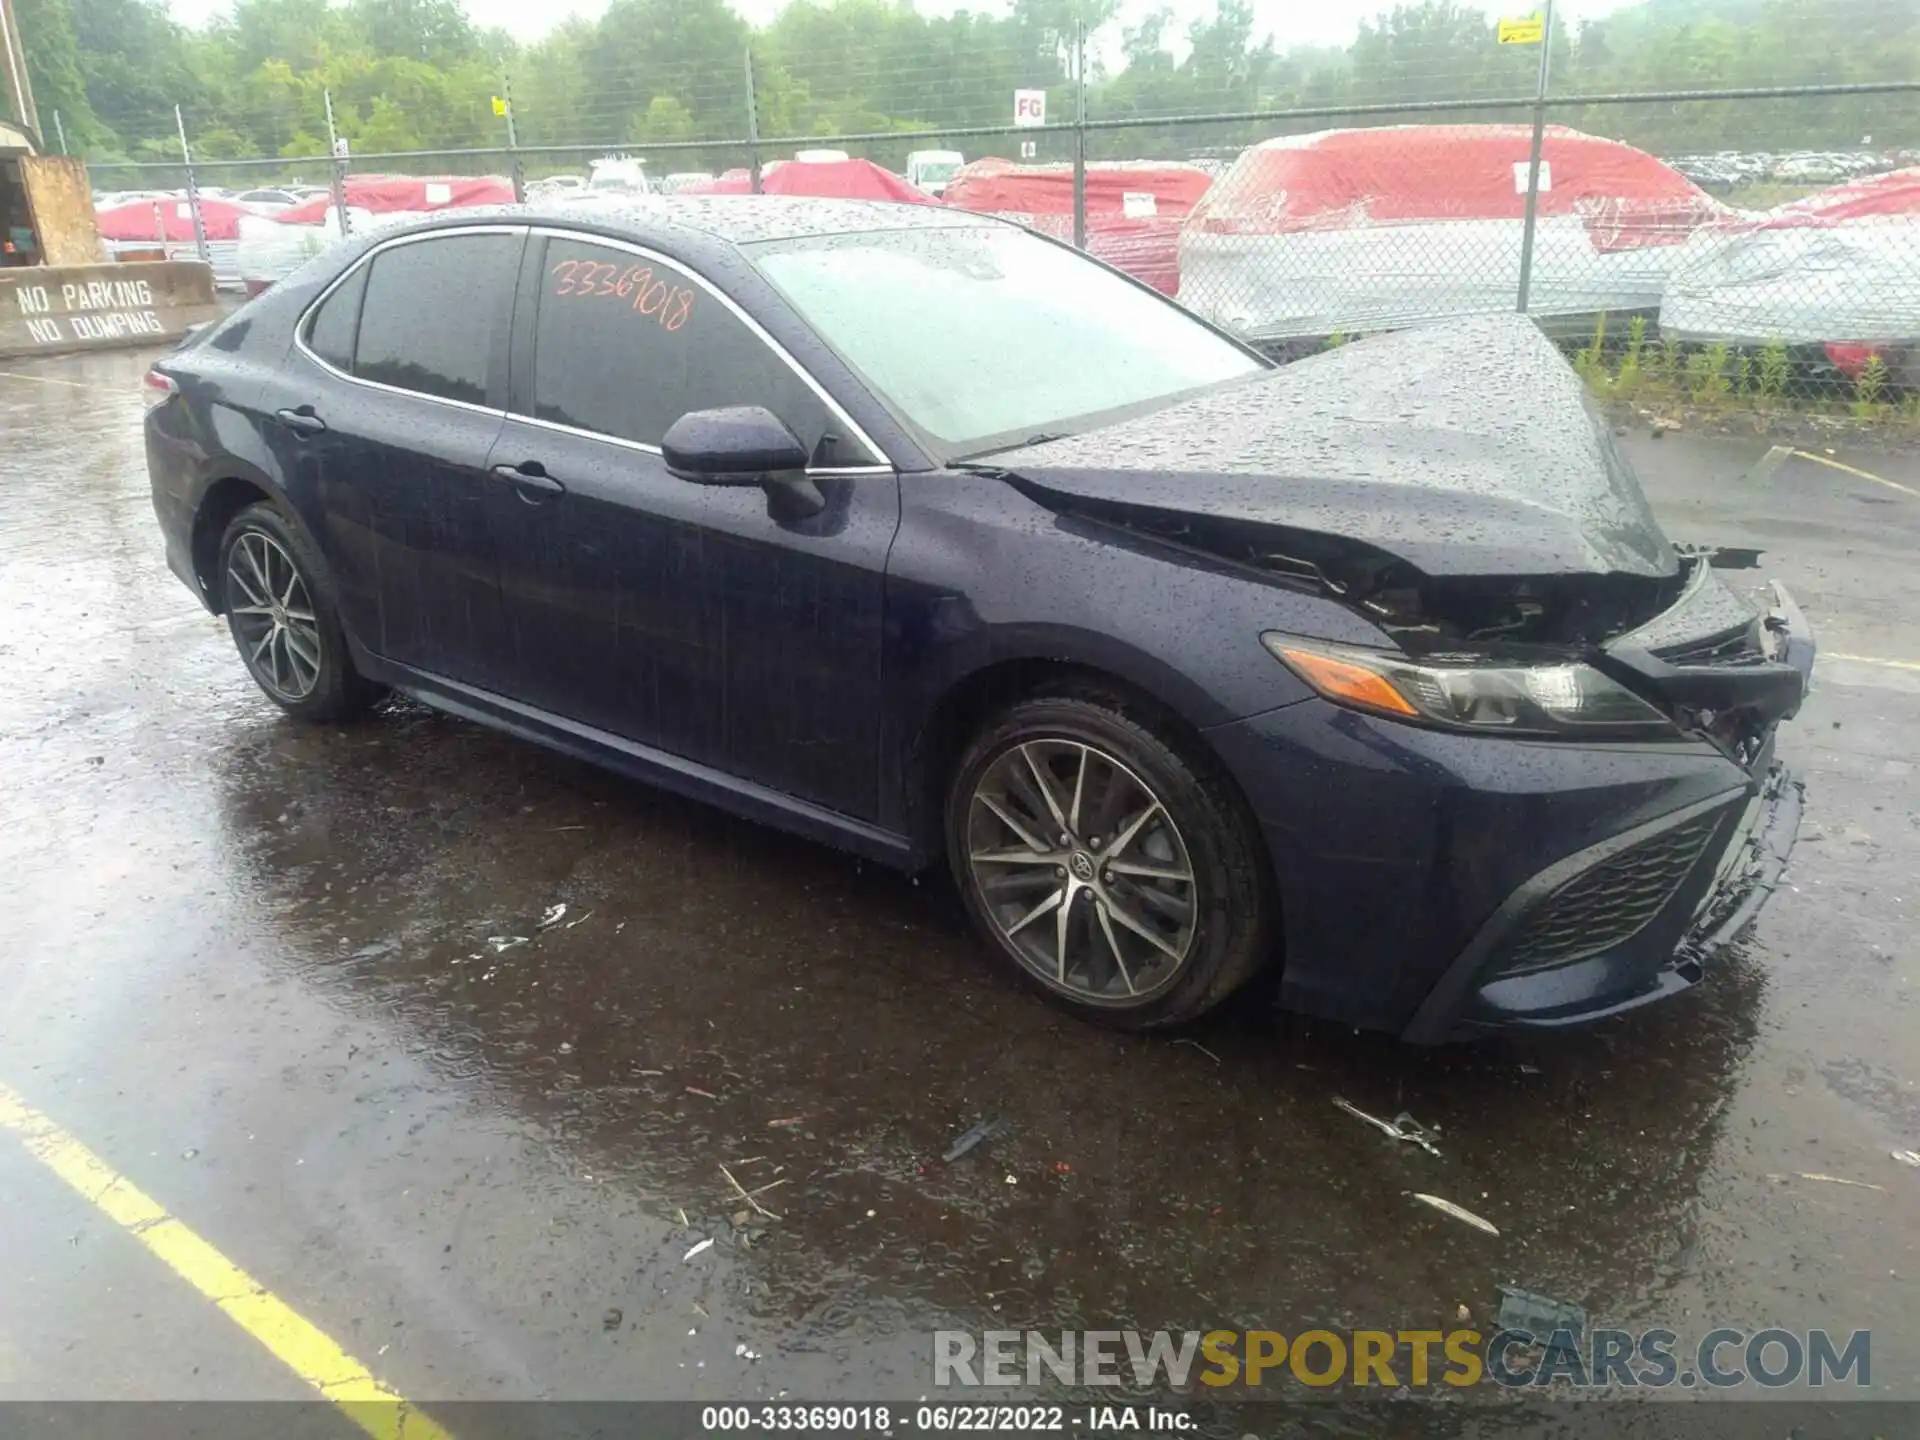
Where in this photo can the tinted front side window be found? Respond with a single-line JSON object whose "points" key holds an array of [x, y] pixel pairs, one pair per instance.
{"points": [[431, 312], [626, 346], [330, 333]]}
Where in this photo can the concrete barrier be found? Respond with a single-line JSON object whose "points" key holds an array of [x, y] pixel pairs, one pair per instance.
{"points": [[52, 309]]}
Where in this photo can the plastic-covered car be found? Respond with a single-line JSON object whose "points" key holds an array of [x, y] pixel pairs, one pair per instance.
{"points": [[1839, 269], [272, 246], [163, 225], [1134, 210], [1349, 231], [827, 179]]}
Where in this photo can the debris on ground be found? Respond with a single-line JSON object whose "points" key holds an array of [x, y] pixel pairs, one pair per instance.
{"points": [[572, 924], [978, 1135], [1832, 1180], [1463, 1315], [553, 916], [1447, 1207], [502, 943], [1907, 1157], [1402, 1127], [790, 1120], [611, 1320], [703, 1094], [1201, 1048], [744, 1353], [748, 1195], [1556, 1324], [706, 1244]]}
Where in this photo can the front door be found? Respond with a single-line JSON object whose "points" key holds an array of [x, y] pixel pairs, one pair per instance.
{"points": [[680, 616]]}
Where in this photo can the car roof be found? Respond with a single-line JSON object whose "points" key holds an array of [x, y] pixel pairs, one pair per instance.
{"points": [[729, 219]]}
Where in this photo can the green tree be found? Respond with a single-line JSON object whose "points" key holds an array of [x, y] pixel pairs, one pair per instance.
{"points": [[53, 70]]}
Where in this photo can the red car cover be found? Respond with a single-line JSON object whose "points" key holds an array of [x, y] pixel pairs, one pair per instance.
{"points": [[1398, 174], [832, 179], [1134, 212], [170, 219], [1895, 193], [385, 194]]}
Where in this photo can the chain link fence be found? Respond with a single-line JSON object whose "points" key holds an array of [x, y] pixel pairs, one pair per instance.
{"points": [[1764, 271]]}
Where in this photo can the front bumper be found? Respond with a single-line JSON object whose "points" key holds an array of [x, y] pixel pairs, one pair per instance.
{"points": [[1439, 885], [1735, 868]]}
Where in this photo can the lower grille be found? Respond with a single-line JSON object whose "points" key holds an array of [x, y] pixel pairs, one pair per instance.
{"points": [[1609, 904]]}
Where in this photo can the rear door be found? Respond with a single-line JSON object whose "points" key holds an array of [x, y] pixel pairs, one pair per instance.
{"points": [[400, 400], [681, 616]]}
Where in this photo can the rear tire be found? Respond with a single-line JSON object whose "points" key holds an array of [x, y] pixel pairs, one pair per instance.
{"points": [[1138, 837], [280, 608]]}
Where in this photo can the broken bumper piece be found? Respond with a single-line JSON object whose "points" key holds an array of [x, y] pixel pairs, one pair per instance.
{"points": [[1625, 923]]}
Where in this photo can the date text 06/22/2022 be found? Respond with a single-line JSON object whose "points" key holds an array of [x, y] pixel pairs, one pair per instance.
{"points": [[961, 1419]]}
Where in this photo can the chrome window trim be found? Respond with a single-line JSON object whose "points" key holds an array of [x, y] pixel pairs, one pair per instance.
{"points": [[306, 316], [834, 408]]}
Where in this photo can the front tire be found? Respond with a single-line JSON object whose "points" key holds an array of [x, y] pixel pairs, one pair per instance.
{"points": [[1114, 870], [281, 613]]}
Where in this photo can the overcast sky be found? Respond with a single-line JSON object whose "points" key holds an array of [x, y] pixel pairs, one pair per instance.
{"points": [[1291, 22]]}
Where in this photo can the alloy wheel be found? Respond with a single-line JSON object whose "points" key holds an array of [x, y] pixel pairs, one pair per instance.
{"points": [[272, 616], [1082, 871]]}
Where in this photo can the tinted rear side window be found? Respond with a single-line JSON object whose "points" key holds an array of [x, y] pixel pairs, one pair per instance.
{"points": [[625, 346], [330, 333], [432, 312]]}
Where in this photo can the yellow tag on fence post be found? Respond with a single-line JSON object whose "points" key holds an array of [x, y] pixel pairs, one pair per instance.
{"points": [[500, 104], [1523, 30]]}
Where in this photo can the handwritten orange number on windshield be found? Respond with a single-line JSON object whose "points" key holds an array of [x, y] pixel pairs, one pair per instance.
{"points": [[669, 306]]}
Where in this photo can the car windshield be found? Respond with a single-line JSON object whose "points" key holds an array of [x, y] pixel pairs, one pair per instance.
{"points": [[939, 169], [983, 336]]}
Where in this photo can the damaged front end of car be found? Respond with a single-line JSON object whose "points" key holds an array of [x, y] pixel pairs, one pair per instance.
{"points": [[1599, 806]]}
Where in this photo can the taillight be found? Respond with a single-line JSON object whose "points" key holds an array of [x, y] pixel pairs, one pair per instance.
{"points": [[157, 389]]}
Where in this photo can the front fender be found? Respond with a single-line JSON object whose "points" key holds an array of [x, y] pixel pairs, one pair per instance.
{"points": [[983, 581]]}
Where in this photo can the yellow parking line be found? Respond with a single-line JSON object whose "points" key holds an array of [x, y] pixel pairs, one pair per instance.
{"points": [[1854, 470], [290, 1338], [1871, 660], [47, 380]]}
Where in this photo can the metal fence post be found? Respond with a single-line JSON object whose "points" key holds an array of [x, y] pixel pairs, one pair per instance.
{"points": [[193, 191], [338, 163], [753, 130], [1533, 159], [518, 171], [1080, 134], [60, 131]]}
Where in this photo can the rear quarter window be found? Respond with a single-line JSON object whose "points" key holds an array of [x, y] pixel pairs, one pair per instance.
{"points": [[331, 331]]}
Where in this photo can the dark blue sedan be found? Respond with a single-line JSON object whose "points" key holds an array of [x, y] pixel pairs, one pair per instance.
{"points": [[930, 538]]}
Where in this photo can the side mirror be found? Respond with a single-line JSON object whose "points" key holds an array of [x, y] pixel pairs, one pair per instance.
{"points": [[738, 445]]}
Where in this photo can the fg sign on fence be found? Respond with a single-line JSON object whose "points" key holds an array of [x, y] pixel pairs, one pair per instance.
{"points": [[1029, 107]]}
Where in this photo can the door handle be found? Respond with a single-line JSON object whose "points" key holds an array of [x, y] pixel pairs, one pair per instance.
{"points": [[302, 421], [530, 478]]}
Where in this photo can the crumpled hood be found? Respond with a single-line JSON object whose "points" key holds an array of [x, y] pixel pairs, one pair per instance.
{"points": [[1464, 449]]}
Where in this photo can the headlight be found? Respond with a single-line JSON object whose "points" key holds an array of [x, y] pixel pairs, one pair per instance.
{"points": [[1465, 693]]}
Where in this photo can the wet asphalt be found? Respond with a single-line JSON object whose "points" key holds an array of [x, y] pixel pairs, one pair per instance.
{"points": [[265, 971]]}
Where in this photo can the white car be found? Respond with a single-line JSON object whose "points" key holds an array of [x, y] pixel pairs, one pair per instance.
{"points": [[930, 170]]}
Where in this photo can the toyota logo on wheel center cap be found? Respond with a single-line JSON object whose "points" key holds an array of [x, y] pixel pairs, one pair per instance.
{"points": [[1082, 865]]}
